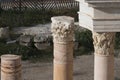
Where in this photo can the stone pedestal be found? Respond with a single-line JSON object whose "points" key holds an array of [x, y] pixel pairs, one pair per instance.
{"points": [[104, 56], [63, 35], [10, 67]]}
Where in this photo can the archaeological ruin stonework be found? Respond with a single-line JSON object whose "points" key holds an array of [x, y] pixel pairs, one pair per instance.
{"points": [[63, 34], [104, 55], [11, 67], [104, 43], [102, 17]]}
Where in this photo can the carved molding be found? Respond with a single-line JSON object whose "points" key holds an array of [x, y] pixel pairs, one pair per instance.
{"points": [[62, 29], [104, 43]]}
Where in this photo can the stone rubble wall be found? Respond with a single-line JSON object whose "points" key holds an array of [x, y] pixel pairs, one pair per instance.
{"points": [[4, 32], [39, 36]]}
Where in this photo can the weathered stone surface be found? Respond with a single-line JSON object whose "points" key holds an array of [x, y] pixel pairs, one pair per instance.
{"points": [[25, 40], [10, 67], [41, 41], [103, 67], [104, 56], [103, 18], [40, 38], [63, 36], [62, 28], [104, 43], [4, 32], [100, 15], [34, 30], [104, 3]]}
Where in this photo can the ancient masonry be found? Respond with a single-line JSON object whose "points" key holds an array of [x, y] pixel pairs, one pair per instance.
{"points": [[104, 56], [11, 67], [63, 35], [102, 17]]}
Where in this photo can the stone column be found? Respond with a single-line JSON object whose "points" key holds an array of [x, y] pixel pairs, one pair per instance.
{"points": [[10, 67], [104, 56], [63, 34]]}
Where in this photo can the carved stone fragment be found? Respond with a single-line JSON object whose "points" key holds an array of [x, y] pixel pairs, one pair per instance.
{"points": [[104, 43], [62, 28], [11, 67]]}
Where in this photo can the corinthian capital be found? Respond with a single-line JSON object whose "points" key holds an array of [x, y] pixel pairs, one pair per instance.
{"points": [[62, 28], [104, 43]]}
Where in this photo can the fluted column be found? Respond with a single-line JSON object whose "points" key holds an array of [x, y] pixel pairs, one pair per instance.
{"points": [[104, 56], [63, 35], [10, 67]]}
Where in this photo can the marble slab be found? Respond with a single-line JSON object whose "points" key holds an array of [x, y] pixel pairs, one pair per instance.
{"points": [[100, 15]]}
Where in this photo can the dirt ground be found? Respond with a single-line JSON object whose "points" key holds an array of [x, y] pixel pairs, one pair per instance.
{"points": [[83, 69]]}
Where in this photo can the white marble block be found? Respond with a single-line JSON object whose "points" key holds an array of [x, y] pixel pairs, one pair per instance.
{"points": [[100, 15]]}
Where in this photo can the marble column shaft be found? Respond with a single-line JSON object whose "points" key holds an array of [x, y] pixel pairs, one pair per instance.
{"points": [[63, 35], [10, 67], [104, 56]]}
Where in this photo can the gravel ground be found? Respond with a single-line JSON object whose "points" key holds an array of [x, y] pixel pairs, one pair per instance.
{"points": [[83, 69]]}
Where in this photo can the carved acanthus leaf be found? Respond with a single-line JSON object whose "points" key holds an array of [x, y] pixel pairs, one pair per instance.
{"points": [[62, 31], [104, 43]]}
